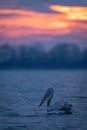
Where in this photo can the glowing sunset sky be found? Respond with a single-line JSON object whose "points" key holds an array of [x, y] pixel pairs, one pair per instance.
{"points": [[23, 21]]}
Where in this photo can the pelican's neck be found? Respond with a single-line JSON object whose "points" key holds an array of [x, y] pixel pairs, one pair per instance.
{"points": [[49, 95], [49, 100]]}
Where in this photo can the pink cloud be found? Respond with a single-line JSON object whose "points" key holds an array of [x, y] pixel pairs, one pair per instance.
{"points": [[44, 26]]}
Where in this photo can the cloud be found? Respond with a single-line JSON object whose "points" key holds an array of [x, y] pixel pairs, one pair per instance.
{"points": [[34, 22], [39, 5], [67, 20], [71, 13]]}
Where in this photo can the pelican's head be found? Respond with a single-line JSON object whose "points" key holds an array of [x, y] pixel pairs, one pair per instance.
{"points": [[48, 95]]}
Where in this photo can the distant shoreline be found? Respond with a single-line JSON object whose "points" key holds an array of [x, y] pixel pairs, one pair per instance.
{"points": [[43, 69], [60, 57]]}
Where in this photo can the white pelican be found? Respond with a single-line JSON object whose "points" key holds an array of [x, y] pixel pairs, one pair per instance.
{"points": [[64, 108]]}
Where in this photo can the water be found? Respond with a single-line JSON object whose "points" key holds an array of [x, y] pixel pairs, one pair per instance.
{"points": [[22, 91]]}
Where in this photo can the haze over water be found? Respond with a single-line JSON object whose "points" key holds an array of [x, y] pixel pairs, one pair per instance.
{"points": [[22, 91]]}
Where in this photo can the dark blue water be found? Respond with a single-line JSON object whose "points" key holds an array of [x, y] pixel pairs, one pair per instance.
{"points": [[22, 91]]}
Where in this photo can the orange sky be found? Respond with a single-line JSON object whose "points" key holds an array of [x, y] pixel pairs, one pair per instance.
{"points": [[66, 20]]}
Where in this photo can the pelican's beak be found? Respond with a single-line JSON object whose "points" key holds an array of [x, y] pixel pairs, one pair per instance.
{"points": [[44, 99]]}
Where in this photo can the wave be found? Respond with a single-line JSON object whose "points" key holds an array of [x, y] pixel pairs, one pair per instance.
{"points": [[81, 97]]}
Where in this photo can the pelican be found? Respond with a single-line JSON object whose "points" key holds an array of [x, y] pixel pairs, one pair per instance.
{"points": [[64, 108]]}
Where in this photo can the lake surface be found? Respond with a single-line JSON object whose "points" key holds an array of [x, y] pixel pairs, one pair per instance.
{"points": [[22, 91]]}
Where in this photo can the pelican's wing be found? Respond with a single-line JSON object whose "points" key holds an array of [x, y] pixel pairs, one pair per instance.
{"points": [[56, 106]]}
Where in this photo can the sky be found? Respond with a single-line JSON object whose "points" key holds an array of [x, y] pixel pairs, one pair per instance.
{"points": [[43, 21]]}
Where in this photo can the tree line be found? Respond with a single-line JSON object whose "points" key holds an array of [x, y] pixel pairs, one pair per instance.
{"points": [[61, 56]]}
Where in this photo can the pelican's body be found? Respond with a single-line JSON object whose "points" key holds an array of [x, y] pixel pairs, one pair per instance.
{"points": [[66, 108]]}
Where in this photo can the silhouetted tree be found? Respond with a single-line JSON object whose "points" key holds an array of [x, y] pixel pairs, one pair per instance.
{"points": [[60, 56], [84, 59]]}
